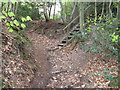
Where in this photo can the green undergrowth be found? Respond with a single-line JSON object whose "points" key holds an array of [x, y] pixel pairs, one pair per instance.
{"points": [[101, 36]]}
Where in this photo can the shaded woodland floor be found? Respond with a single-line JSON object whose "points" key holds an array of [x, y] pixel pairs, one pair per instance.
{"points": [[63, 68], [71, 68]]}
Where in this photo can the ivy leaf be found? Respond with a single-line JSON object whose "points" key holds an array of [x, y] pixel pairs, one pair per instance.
{"points": [[28, 18], [1, 17], [100, 18], [113, 34], [113, 40], [16, 22], [11, 23], [23, 25], [103, 29], [8, 24], [4, 13], [11, 14], [23, 19], [12, 18], [110, 22], [10, 30]]}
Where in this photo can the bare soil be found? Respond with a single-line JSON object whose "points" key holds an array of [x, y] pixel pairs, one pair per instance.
{"points": [[63, 68], [43, 66], [70, 68]]}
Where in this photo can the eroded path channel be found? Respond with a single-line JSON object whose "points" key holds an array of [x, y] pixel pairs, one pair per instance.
{"points": [[62, 68]]}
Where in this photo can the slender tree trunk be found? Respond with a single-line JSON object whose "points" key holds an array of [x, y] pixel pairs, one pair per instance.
{"points": [[2, 6], [118, 11], [65, 6], [110, 11], [16, 8], [107, 8], [50, 10], [45, 13], [82, 17], [12, 7], [75, 12], [7, 9], [62, 12], [95, 10], [54, 10], [103, 8]]}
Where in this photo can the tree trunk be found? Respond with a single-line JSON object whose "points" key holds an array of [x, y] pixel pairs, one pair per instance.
{"points": [[45, 13], [103, 8], [62, 12], [81, 17], [107, 8], [95, 10], [7, 8], [110, 8], [118, 11], [2, 6], [75, 12], [54, 10], [50, 10]]}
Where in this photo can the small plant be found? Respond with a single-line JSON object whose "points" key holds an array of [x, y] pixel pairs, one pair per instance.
{"points": [[11, 22], [103, 35], [13, 25]]}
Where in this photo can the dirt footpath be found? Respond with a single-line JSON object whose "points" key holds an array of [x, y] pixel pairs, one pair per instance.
{"points": [[65, 68], [66, 65], [43, 66]]}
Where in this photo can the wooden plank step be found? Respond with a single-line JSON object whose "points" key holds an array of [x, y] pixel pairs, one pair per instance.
{"points": [[64, 41], [71, 33], [76, 30], [61, 45], [69, 37]]}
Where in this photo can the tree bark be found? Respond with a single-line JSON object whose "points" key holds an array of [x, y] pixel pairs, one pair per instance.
{"points": [[62, 12], [54, 10], [107, 8], [110, 11], [103, 8], [95, 10], [75, 12], [2, 6], [50, 10], [45, 13], [81, 17]]}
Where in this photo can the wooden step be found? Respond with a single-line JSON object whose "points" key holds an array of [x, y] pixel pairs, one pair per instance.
{"points": [[61, 45], [64, 41], [71, 33], [76, 30], [69, 37]]}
